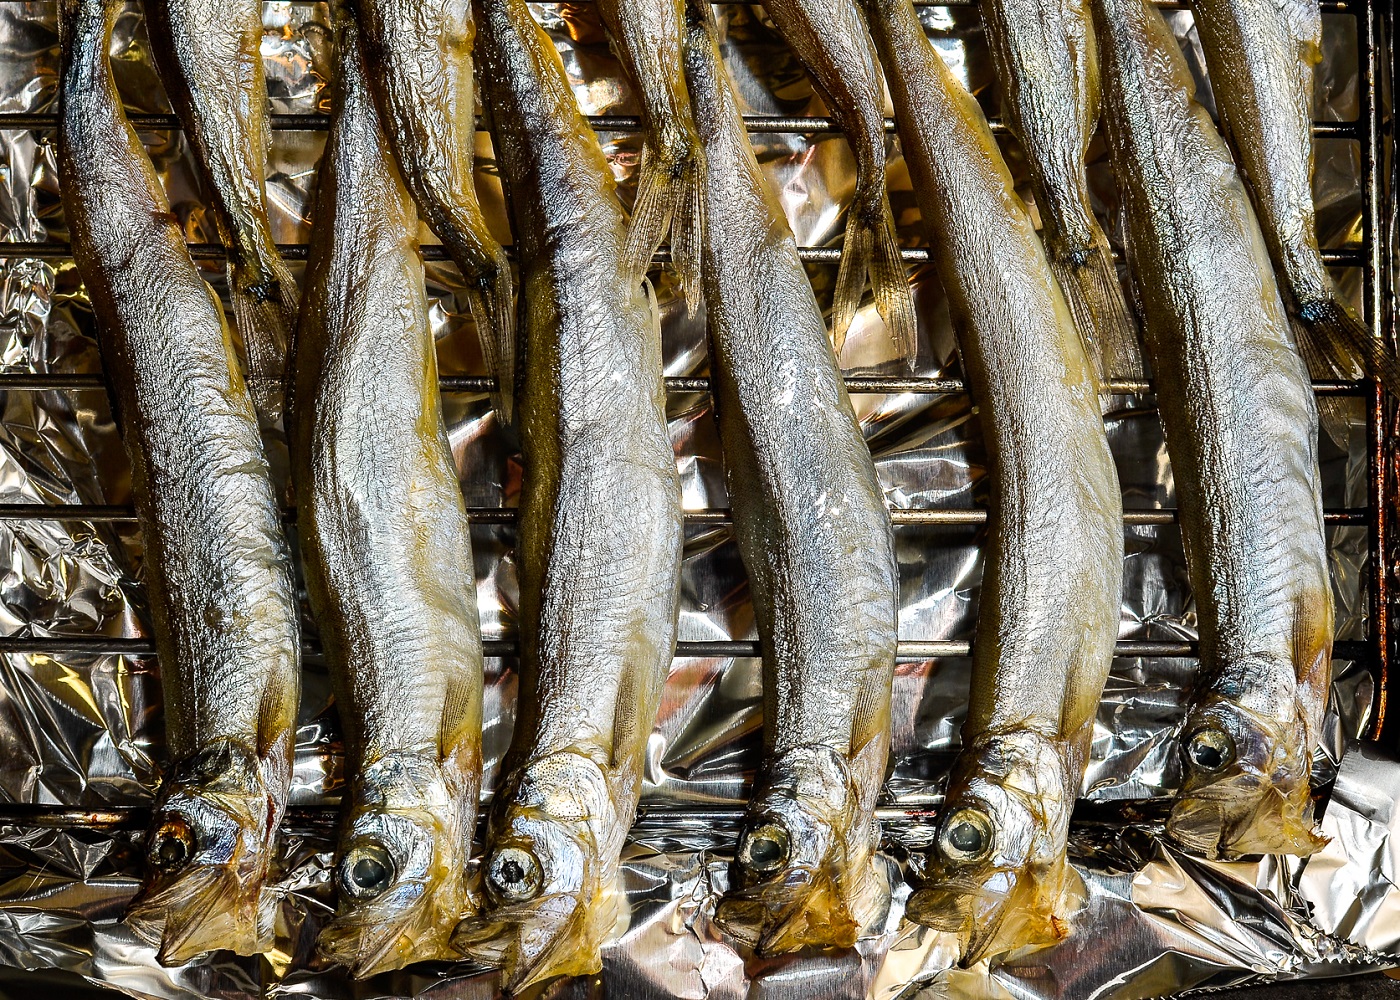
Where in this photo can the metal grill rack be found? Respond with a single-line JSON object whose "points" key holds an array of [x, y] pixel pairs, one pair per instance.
{"points": [[1372, 130]]}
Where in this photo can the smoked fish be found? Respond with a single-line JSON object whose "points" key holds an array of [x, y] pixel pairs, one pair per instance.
{"points": [[815, 535], [600, 529], [223, 606], [997, 873], [388, 558], [645, 34], [1046, 60], [1241, 427], [418, 55], [209, 53], [831, 39], [1262, 55]]}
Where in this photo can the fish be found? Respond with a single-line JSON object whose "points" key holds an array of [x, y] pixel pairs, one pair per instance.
{"points": [[644, 34], [218, 574], [1261, 56], [997, 876], [419, 55], [815, 536], [1046, 60], [209, 55], [387, 550], [832, 41], [600, 529], [1241, 426]]}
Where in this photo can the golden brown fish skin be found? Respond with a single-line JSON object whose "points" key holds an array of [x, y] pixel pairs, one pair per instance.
{"points": [[1262, 55], [1047, 62], [210, 59], [1241, 428], [387, 550], [419, 54], [814, 531], [222, 601], [600, 529], [997, 874], [831, 39], [647, 37]]}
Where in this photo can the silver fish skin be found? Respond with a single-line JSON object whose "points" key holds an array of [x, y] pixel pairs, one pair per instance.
{"points": [[419, 55], [223, 606], [387, 551], [1241, 427], [831, 39], [647, 37], [600, 529], [1262, 55], [209, 53], [997, 874], [815, 535], [1047, 62]]}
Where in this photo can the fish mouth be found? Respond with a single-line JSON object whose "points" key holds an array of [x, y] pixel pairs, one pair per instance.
{"points": [[414, 926], [205, 908], [801, 908], [554, 935], [1244, 818], [1003, 911]]}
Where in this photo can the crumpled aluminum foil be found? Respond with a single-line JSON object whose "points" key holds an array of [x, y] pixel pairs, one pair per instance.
{"points": [[85, 732]]}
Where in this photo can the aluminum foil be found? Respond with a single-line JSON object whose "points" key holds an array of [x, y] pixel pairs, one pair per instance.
{"points": [[80, 737]]}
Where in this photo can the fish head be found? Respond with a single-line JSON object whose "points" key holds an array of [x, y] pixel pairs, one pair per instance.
{"points": [[400, 877], [547, 901], [1246, 790], [996, 875], [207, 854], [804, 875]]}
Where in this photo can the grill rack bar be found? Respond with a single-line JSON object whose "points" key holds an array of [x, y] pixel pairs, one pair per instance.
{"points": [[901, 516], [757, 124]]}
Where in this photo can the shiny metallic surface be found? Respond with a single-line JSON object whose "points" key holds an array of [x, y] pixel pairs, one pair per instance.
{"points": [[80, 714]]}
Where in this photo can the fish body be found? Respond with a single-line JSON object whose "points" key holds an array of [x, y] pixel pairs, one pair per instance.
{"points": [[815, 535], [222, 601], [1241, 427], [831, 39], [600, 529], [1047, 62], [1262, 55], [210, 59], [647, 37], [1047, 620], [388, 554], [419, 55]]}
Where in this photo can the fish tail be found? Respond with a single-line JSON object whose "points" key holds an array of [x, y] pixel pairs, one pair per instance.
{"points": [[1089, 280], [491, 298], [1330, 330], [668, 199], [264, 297], [1333, 413], [871, 247]]}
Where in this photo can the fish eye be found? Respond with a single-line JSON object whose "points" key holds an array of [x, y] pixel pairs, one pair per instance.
{"points": [[366, 871], [764, 849], [172, 845], [967, 835], [1209, 750], [513, 875]]}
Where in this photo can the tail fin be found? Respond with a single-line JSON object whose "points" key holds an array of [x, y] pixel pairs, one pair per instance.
{"points": [[870, 246], [1328, 329], [1332, 412], [668, 198], [491, 298], [264, 297], [1094, 294]]}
